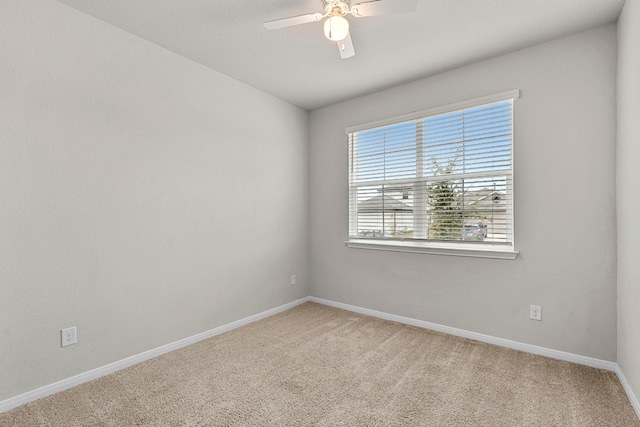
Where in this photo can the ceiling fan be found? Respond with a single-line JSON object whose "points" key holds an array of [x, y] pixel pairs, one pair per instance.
{"points": [[336, 27]]}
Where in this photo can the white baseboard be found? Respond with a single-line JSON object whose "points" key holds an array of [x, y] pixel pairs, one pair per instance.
{"points": [[84, 377], [627, 389], [534, 349], [93, 374]]}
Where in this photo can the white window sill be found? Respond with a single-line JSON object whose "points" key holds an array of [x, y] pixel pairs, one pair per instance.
{"points": [[451, 249]]}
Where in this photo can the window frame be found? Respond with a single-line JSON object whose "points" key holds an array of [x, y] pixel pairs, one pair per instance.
{"points": [[455, 248]]}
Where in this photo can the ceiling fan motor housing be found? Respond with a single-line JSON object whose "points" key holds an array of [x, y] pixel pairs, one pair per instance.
{"points": [[336, 7]]}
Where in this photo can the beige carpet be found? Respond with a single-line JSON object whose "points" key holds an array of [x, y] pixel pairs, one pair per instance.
{"points": [[316, 365]]}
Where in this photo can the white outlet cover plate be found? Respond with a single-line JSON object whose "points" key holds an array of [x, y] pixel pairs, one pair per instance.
{"points": [[69, 336], [535, 312]]}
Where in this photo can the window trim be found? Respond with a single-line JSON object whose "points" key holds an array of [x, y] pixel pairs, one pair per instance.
{"points": [[475, 102], [487, 250], [440, 248]]}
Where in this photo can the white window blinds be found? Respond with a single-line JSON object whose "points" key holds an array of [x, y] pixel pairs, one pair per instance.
{"points": [[445, 176]]}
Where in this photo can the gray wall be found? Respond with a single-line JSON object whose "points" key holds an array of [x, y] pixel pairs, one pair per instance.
{"points": [[565, 130], [628, 202], [145, 198]]}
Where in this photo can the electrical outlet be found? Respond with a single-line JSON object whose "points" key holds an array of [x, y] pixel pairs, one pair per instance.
{"points": [[293, 279], [69, 336], [535, 312]]}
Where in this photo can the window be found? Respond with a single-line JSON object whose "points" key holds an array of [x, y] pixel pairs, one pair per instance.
{"points": [[436, 179]]}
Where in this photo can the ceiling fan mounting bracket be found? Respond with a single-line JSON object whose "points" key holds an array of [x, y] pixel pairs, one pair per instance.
{"points": [[336, 7]]}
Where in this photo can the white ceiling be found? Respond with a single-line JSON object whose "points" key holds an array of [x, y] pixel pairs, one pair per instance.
{"points": [[299, 65]]}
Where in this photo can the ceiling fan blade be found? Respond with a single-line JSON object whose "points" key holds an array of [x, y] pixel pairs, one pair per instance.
{"points": [[346, 47], [293, 20], [383, 7]]}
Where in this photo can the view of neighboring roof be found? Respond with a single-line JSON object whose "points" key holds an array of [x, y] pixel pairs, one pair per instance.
{"points": [[383, 202], [378, 202], [486, 195]]}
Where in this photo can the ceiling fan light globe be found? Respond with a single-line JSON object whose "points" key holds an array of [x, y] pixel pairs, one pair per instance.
{"points": [[336, 28]]}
